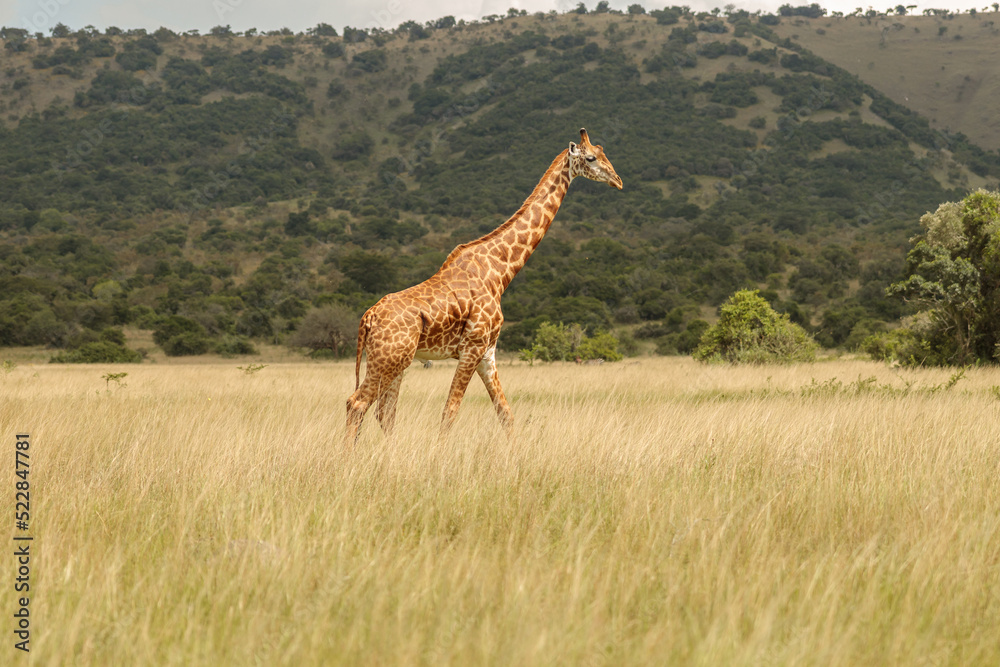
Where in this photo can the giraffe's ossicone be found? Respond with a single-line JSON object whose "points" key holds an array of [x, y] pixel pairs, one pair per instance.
{"points": [[455, 314]]}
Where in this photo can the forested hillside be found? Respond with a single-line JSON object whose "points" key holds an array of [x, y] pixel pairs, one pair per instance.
{"points": [[219, 188], [939, 63]]}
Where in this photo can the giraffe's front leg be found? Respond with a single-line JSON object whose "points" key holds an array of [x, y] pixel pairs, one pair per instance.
{"points": [[487, 370], [467, 362]]}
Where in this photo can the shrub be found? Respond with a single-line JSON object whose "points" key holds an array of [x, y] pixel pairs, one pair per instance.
{"points": [[113, 335], [559, 342], [187, 344], [602, 345], [954, 275], [370, 61], [750, 331], [519, 336], [553, 342], [172, 326], [44, 328], [111, 86], [897, 345], [335, 89], [687, 341], [254, 323], [332, 329], [135, 58], [353, 146], [98, 352], [372, 271], [333, 50], [230, 346]]}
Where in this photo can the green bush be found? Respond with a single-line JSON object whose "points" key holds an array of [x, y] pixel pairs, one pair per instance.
{"points": [[139, 55], [353, 146], [370, 61], [333, 50], [954, 276], [519, 336], [99, 352], [553, 342], [173, 325], [231, 346], [602, 345], [896, 345], [559, 342], [113, 335], [918, 342], [187, 344], [750, 331], [687, 341]]}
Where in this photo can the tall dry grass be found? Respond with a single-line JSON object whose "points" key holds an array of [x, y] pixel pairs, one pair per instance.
{"points": [[654, 513]]}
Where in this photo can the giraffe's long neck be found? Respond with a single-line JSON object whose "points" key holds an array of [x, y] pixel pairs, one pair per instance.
{"points": [[510, 245]]}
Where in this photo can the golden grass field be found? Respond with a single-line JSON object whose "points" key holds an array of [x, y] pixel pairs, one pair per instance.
{"points": [[661, 512]]}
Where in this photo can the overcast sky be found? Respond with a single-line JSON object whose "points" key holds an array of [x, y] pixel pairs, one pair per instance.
{"points": [[298, 15]]}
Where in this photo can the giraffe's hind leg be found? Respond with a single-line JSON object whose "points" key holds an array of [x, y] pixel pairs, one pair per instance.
{"points": [[377, 386], [386, 410], [383, 376], [357, 405]]}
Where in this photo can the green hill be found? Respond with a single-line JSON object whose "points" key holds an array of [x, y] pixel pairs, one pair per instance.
{"points": [[943, 65], [217, 188]]}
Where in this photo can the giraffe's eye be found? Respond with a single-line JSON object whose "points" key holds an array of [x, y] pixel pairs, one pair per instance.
{"points": [[591, 158]]}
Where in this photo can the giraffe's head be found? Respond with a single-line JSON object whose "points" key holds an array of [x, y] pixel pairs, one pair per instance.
{"points": [[587, 159]]}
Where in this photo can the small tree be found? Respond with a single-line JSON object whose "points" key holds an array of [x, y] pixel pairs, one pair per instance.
{"points": [[954, 277], [552, 342], [187, 344], [602, 345], [373, 272], [323, 30], [559, 342], [332, 328], [750, 331], [181, 336]]}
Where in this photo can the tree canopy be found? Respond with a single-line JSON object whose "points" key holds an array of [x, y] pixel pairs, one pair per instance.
{"points": [[954, 279]]}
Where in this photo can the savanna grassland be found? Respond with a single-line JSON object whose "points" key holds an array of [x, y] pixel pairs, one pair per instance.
{"points": [[839, 513]]}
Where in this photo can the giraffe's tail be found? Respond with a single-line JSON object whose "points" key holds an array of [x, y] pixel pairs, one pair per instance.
{"points": [[362, 337]]}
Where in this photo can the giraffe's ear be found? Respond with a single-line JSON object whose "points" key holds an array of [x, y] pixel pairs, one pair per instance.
{"points": [[572, 148]]}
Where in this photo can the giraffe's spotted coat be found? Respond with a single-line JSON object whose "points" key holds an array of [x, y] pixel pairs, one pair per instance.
{"points": [[455, 314]]}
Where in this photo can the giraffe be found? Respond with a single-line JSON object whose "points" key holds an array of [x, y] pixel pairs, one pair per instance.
{"points": [[455, 314]]}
